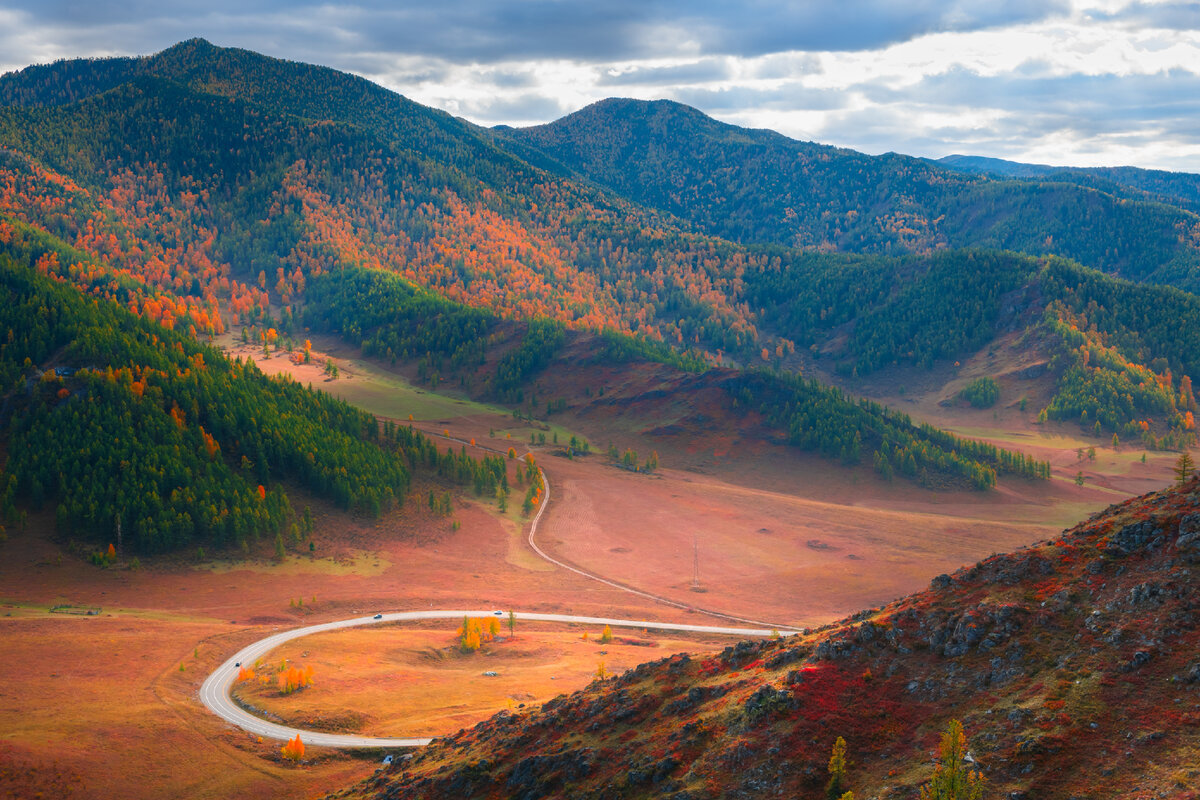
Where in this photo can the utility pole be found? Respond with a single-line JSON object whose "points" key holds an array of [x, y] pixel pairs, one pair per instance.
{"points": [[695, 564]]}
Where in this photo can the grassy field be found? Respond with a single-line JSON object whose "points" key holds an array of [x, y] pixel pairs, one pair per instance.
{"points": [[414, 680]]}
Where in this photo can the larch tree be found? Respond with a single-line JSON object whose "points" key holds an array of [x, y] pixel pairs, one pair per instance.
{"points": [[837, 770], [1184, 467], [952, 779]]}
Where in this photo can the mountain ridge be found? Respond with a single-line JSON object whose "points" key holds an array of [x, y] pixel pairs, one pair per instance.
{"points": [[763, 187]]}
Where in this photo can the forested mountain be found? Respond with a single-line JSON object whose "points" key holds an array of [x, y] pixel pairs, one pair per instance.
{"points": [[203, 187], [759, 186], [1175, 188], [1121, 353], [128, 428], [216, 186]]}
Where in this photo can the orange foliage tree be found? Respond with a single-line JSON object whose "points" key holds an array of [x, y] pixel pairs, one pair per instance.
{"points": [[294, 749], [475, 632], [293, 679]]}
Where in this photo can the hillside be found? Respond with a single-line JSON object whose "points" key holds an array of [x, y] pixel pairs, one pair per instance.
{"points": [[759, 186], [1071, 665], [185, 177], [1175, 188], [139, 435], [456, 344], [1113, 355], [190, 168]]}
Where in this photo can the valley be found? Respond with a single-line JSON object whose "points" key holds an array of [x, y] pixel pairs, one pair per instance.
{"points": [[281, 348], [778, 537]]}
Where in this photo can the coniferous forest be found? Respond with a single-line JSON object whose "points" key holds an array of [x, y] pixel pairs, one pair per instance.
{"points": [[418, 236]]}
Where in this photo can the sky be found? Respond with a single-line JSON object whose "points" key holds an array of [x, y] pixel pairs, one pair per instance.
{"points": [[1064, 82]]}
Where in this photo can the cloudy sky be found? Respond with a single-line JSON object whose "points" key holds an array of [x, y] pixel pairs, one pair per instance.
{"points": [[1078, 82]]}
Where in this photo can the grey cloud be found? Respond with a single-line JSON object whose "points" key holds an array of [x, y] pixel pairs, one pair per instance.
{"points": [[1102, 102], [520, 110], [485, 31], [1094, 113], [1169, 16], [789, 97], [786, 65], [681, 74]]}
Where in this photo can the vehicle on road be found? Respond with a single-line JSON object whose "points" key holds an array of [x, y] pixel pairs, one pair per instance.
{"points": [[498, 613], [379, 616]]}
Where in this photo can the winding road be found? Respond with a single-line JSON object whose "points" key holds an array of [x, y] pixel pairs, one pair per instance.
{"points": [[215, 691]]}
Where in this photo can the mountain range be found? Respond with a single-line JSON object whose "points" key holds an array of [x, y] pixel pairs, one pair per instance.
{"points": [[630, 256]]}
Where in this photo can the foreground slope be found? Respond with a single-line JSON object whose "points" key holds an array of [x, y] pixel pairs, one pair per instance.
{"points": [[1072, 665]]}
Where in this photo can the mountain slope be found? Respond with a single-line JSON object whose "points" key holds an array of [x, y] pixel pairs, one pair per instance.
{"points": [[259, 186], [1176, 188], [1072, 665], [229, 181], [122, 425], [759, 186]]}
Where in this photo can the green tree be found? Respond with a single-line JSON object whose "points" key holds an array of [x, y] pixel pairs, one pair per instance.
{"points": [[837, 770], [1184, 467], [952, 780], [512, 624]]}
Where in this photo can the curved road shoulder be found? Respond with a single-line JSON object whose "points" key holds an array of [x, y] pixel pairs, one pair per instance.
{"points": [[215, 691]]}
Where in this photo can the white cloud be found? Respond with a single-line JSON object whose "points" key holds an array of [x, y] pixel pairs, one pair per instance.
{"points": [[1080, 82]]}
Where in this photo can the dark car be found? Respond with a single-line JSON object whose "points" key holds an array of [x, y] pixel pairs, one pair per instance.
{"points": [[379, 616]]}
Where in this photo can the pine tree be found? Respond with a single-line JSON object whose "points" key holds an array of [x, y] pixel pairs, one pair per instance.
{"points": [[837, 770], [951, 779], [1184, 467]]}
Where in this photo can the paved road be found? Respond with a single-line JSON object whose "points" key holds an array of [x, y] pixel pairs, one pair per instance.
{"points": [[214, 692]]}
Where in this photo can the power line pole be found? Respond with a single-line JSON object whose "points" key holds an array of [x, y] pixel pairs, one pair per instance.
{"points": [[695, 563]]}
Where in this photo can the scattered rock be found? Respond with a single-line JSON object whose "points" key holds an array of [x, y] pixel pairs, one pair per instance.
{"points": [[767, 702], [1189, 536], [1132, 537]]}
